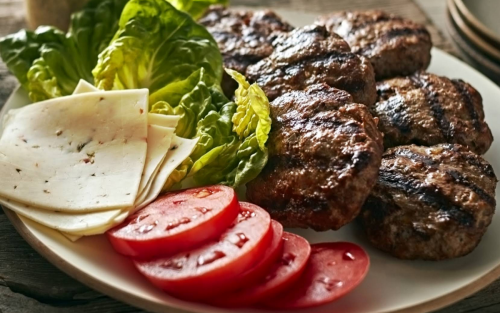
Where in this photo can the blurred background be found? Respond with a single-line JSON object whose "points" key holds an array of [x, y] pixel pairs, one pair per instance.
{"points": [[469, 29]]}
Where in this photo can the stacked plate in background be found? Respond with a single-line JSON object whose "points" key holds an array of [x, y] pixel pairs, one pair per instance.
{"points": [[474, 26]]}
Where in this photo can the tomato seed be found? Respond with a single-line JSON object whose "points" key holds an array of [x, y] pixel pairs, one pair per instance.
{"points": [[330, 284], [348, 256], [241, 239], [288, 258], [210, 257], [204, 193], [203, 210]]}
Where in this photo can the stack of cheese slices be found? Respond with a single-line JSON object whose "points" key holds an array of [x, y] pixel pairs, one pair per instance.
{"points": [[81, 164]]}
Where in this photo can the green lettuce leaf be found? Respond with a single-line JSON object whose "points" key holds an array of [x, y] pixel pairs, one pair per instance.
{"points": [[155, 46], [231, 148], [49, 63], [93, 28], [196, 8]]}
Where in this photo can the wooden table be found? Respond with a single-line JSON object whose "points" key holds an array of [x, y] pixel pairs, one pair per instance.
{"points": [[28, 283]]}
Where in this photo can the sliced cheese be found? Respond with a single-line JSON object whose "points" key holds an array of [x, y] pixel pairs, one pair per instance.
{"points": [[84, 87], [153, 118], [180, 149], [86, 156], [159, 139], [163, 120], [63, 221]]}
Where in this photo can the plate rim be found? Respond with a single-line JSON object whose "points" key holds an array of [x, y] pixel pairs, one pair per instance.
{"points": [[476, 23], [136, 301]]}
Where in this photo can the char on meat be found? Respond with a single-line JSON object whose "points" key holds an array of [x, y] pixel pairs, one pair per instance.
{"points": [[244, 37], [324, 155], [430, 203], [312, 55], [395, 46], [426, 109]]}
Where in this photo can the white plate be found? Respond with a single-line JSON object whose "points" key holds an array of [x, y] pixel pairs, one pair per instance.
{"points": [[391, 285]]}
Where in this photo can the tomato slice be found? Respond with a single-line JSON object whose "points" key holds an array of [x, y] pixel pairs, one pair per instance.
{"points": [[176, 222], [284, 273], [260, 269], [208, 270], [333, 270]]}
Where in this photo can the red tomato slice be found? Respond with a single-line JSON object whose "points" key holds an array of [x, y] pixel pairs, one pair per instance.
{"points": [[205, 271], [284, 273], [333, 270], [260, 269], [176, 222]]}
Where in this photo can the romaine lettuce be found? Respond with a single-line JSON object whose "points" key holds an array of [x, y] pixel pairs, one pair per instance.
{"points": [[163, 49], [196, 8], [155, 46], [231, 149], [49, 63]]}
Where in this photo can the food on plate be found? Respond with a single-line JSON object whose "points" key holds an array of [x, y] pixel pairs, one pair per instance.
{"points": [[281, 276], [427, 109], [325, 153], [164, 153], [333, 270], [312, 55], [430, 203], [395, 46], [56, 155], [232, 148], [49, 63], [176, 222], [197, 8], [201, 272], [180, 63], [250, 262], [244, 37]]}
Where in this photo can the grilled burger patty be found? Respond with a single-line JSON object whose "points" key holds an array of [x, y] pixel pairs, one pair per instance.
{"points": [[324, 155], [312, 55], [395, 46], [430, 203], [244, 37], [426, 109]]}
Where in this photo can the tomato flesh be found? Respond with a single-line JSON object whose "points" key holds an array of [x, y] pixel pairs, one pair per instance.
{"points": [[333, 270], [260, 269], [207, 270], [176, 222], [284, 272]]}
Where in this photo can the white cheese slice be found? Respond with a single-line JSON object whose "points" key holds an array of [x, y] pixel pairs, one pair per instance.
{"points": [[84, 87], [183, 149], [163, 120], [78, 153], [180, 149], [63, 221], [159, 139], [153, 118]]}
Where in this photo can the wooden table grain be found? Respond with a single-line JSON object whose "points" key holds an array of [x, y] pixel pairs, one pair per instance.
{"points": [[29, 283]]}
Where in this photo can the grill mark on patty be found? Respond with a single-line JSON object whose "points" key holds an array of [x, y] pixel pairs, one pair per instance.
{"points": [[391, 34], [397, 114], [332, 56], [462, 180], [469, 104], [457, 177], [378, 20], [471, 159], [437, 110], [361, 159], [430, 195]]}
